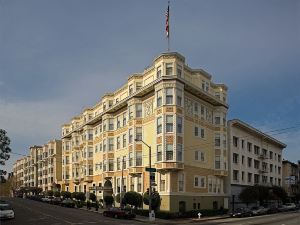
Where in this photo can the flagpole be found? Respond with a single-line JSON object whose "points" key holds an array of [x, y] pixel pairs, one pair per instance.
{"points": [[168, 26]]}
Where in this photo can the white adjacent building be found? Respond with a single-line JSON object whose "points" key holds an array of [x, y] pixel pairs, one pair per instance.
{"points": [[254, 158]]}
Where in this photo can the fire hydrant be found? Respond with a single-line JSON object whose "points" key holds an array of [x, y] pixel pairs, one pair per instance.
{"points": [[199, 215]]}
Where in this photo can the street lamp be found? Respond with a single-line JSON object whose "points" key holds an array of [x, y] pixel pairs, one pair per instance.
{"points": [[150, 185]]}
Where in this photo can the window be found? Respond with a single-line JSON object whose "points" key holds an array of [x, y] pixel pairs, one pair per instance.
{"points": [[118, 163], [124, 162], [249, 162], [200, 181], [138, 112], [279, 170], [235, 141], [249, 177], [256, 164], [124, 140], [159, 153], [162, 182], [110, 165], [179, 152], [217, 162], [139, 184], [130, 135], [159, 125], [138, 159], [235, 158], [179, 70], [169, 152], [256, 150], [169, 68], [138, 86], [118, 121], [279, 158], [196, 131], [243, 144], [243, 175], [217, 140], [130, 111], [118, 142], [169, 96], [181, 182], [199, 156], [138, 134], [158, 72], [169, 124], [130, 159], [110, 144], [217, 120], [111, 124], [202, 134], [249, 146], [124, 119], [196, 108], [256, 178], [271, 155], [179, 124], [159, 98], [235, 175], [179, 97]]}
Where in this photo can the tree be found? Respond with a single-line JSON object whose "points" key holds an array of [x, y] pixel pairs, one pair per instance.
{"points": [[279, 193], [132, 198], [249, 194], [66, 194], [74, 195], [155, 199], [92, 197], [56, 194], [108, 200], [80, 196], [4, 149]]}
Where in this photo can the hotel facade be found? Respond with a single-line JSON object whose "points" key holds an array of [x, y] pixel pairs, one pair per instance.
{"points": [[179, 113]]}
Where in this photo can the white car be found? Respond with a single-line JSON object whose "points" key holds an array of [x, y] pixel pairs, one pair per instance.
{"points": [[6, 212], [290, 206]]}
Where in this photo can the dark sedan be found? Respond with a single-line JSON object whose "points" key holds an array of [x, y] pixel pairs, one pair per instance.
{"points": [[241, 212], [118, 213]]}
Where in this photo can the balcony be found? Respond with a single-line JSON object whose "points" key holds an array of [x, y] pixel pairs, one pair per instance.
{"points": [[169, 166], [88, 178], [262, 156], [222, 173], [135, 171]]}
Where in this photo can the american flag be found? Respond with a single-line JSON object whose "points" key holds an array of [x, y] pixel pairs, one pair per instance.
{"points": [[167, 20]]}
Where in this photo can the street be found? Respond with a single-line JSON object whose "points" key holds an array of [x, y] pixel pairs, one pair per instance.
{"points": [[28, 212], [286, 218]]}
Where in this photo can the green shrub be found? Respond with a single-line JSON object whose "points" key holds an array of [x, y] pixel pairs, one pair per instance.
{"points": [[65, 194], [79, 204], [56, 194], [49, 193], [92, 197], [108, 200]]}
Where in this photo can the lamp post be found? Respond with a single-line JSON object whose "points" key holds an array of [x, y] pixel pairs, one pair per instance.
{"points": [[150, 185]]}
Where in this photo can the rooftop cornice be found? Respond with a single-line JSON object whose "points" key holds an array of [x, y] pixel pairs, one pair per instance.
{"points": [[168, 54], [264, 136]]}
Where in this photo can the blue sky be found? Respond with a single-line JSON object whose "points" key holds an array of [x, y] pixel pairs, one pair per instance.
{"points": [[59, 56]]}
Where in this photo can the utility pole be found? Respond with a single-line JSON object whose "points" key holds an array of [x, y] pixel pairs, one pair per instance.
{"points": [[121, 188], [151, 214]]}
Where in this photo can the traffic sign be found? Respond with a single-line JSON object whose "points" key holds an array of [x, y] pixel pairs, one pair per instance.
{"points": [[151, 170]]}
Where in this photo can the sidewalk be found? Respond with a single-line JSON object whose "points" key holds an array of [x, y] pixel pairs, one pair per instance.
{"points": [[179, 221]]}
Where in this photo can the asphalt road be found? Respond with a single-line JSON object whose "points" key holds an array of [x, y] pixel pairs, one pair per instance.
{"points": [[28, 212], [286, 218]]}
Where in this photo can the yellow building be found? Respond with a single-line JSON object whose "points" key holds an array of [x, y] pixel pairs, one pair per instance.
{"points": [[176, 110]]}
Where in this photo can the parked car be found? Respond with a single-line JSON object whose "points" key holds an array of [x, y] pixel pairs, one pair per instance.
{"points": [[6, 211], [118, 213], [56, 201], [47, 199], [290, 206], [241, 212], [272, 209], [259, 210], [68, 203]]}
